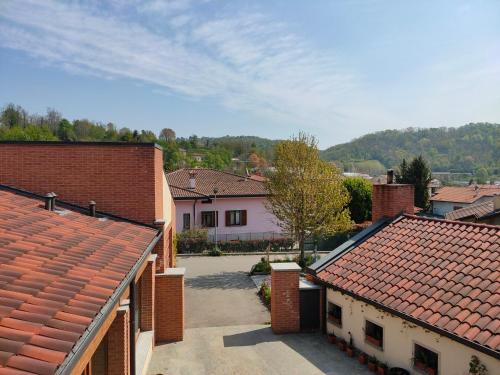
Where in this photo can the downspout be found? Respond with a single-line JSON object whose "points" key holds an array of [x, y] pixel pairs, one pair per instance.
{"points": [[132, 328], [194, 213]]}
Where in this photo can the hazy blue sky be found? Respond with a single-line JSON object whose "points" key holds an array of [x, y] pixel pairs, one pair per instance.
{"points": [[336, 69]]}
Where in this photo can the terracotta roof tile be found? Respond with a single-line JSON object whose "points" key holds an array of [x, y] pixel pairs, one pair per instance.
{"points": [[228, 184], [56, 273], [465, 194], [455, 287]]}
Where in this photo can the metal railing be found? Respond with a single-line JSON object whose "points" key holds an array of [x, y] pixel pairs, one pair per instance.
{"points": [[227, 237]]}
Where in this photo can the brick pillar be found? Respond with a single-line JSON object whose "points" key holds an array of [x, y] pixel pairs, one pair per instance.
{"points": [[285, 308], [148, 295], [118, 343], [169, 305]]}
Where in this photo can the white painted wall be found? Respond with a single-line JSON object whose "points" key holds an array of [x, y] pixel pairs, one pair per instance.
{"points": [[400, 337], [442, 208], [259, 219], [168, 201]]}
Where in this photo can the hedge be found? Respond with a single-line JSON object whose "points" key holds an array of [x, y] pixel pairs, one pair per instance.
{"points": [[187, 245]]}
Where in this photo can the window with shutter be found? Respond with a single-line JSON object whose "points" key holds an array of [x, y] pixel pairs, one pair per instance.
{"points": [[236, 218]]}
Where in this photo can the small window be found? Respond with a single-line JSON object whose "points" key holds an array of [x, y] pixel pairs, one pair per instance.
{"points": [[457, 208], [374, 334], [186, 221], [425, 360], [209, 219], [236, 218], [335, 314]]}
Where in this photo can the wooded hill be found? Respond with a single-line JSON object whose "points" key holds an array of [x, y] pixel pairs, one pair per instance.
{"points": [[464, 149]]}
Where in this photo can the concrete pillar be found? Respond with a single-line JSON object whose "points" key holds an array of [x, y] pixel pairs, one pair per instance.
{"points": [[148, 295], [285, 303], [169, 305], [118, 343]]}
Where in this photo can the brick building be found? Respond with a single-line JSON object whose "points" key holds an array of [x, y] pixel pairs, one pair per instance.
{"points": [[85, 285]]}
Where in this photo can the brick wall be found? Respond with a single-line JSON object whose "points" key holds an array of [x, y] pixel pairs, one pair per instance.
{"points": [[118, 343], [147, 285], [390, 200], [285, 308], [123, 179], [169, 305]]}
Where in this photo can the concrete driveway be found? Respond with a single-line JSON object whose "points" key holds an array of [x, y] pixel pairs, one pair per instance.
{"points": [[218, 292], [228, 332]]}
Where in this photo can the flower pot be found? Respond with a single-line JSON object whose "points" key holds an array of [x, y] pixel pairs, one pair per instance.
{"points": [[362, 359], [332, 339], [350, 352], [422, 366], [381, 370], [372, 366], [341, 345]]}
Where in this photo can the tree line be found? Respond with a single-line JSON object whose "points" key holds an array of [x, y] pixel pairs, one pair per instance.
{"points": [[17, 124]]}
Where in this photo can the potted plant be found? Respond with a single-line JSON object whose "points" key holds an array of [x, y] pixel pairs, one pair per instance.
{"points": [[372, 364], [332, 339], [362, 358], [350, 350], [342, 345], [382, 368]]}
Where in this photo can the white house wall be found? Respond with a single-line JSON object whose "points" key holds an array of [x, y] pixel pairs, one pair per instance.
{"points": [[399, 337]]}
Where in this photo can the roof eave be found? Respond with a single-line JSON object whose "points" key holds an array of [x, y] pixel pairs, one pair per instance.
{"points": [[483, 349], [78, 350]]}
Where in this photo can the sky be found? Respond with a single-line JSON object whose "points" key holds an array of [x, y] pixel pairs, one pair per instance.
{"points": [[336, 69]]}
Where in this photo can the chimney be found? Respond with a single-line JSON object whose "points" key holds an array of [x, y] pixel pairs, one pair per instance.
{"points": [[53, 201], [92, 211], [496, 203], [192, 179], [48, 201], [390, 176], [390, 200]]}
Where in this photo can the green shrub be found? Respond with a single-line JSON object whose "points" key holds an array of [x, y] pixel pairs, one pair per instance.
{"points": [[265, 292], [196, 241], [215, 252]]}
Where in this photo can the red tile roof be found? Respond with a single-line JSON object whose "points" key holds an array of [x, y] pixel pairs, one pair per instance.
{"points": [[440, 273], [476, 211], [465, 194], [57, 270], [228, 184]]}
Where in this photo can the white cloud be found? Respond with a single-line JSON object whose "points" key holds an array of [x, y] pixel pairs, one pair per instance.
{"points": [[245, 61]]}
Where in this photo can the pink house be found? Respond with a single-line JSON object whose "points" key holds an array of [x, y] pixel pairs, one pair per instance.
{"points": [[233, 205]]}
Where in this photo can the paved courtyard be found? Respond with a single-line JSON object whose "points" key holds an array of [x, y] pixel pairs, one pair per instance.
{"points": [[228, 332]]}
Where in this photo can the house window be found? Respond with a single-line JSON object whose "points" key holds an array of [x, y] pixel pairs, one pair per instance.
{"points": [[236, 218], [457, 208], [335, 314], [186, 221], [425, 360], [374, 334], [209, 219]]}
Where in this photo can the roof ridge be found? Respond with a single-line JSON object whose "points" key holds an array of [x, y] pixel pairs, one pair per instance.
{"points": [[465, 223], [190, 190], [215, 170], [73, 207]]}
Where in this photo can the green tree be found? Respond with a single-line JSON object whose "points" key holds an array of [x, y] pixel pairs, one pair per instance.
{"points": [[306, 193], [218, 158], [481, 175], [360, 205], [11, 116], [418, 174], [167, 134], [65, 131]]}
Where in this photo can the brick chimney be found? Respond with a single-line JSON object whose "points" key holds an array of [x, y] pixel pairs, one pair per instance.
{"points": [[390, 199]]}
